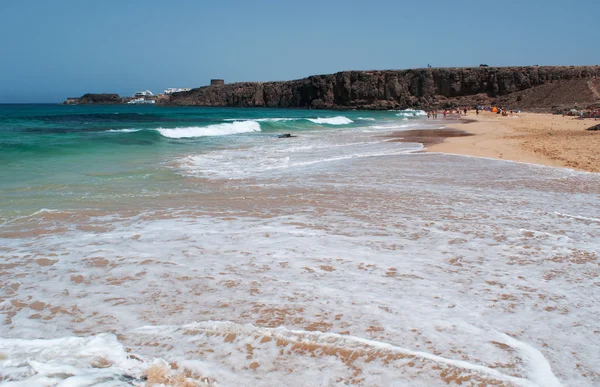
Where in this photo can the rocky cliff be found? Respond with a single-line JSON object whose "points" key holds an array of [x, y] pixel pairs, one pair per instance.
{"points": [[534, 87]]}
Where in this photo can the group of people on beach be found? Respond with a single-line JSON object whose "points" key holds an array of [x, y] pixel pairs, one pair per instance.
{"points": [[433, 114], [464, 110], [581, 114]]}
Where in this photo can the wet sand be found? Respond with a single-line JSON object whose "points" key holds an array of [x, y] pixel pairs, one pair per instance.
{"points": [[427, 137], [545, 139]]}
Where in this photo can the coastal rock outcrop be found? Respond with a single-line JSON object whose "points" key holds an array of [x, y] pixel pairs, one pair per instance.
{"points": [[90, 98], [594, 128], [417, 88]]}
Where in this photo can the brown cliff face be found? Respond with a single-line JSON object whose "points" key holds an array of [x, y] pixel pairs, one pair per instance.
{"points": [[525, 87]]}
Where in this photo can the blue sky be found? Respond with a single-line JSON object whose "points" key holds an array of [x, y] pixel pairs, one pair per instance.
{"points": [[50, 50]]}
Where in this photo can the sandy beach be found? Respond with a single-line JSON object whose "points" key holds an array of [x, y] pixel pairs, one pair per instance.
{"points": [[545, 139], [340, 256]]}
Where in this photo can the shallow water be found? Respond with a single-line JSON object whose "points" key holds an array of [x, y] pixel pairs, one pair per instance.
{"points": [[334, 257]]}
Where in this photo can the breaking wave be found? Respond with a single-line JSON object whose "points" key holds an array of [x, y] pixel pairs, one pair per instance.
{"points": [[231, 126], [339, 120], [223, 129], [277, 119], [411, 113]]}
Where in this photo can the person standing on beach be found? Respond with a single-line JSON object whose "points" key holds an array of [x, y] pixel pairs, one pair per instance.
{"points": [[444, 113], [428, 114]]}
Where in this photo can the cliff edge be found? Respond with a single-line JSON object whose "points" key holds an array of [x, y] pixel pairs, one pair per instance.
{"points": [[534, 87]]}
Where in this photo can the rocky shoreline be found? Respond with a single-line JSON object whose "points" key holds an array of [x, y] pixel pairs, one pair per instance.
{"points": [[533, 88]]}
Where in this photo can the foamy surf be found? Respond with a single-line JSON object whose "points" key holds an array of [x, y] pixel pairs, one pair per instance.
{"points": [[85, 361], [339, 120], [304, 155], [274, 119], [224, 129], [265, 347], [234, 352], [411, 113], [281, 119], [578, 217]]}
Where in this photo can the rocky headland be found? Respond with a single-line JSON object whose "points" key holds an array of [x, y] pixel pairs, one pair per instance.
{"points": [[99, 99], [535, 88]]}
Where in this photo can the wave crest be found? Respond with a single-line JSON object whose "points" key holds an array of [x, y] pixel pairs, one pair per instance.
{"points": [[411, 113], [339, 120], [223, 129]]}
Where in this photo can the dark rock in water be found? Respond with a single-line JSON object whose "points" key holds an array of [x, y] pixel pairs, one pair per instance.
{"points": [[595, 127], [101, 99], [129, 378], [287, 135]]}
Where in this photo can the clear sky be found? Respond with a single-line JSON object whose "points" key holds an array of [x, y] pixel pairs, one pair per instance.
{"points": [[52, 49]]}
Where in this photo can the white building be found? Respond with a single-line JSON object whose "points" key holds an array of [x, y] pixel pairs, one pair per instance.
{"points": [[172, 90], [146, 93]]}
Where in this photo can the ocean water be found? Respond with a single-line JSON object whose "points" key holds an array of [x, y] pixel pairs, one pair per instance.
{"points": [[145, 245], [76, 156]]}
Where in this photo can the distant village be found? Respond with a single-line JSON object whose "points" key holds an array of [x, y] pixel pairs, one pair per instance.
{"points": [[145, 97]]}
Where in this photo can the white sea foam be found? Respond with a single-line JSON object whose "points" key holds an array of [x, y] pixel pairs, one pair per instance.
{"points": [[338, 120], [223, 129], [39, 212], [323, 342], [68, 360], [300, 156], [539, 368], [411, 113], [578, 217], [282, 119], [79, 361], [366, 118], [275, 119], [391, 126]]}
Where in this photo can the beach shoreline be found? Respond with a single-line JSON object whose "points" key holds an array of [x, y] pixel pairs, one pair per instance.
{"points": [[545, 139], [148, 250]]}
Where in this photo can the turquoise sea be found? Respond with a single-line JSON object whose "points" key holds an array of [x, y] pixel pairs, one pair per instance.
{"points": [[55, 156], [147, 245]]}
